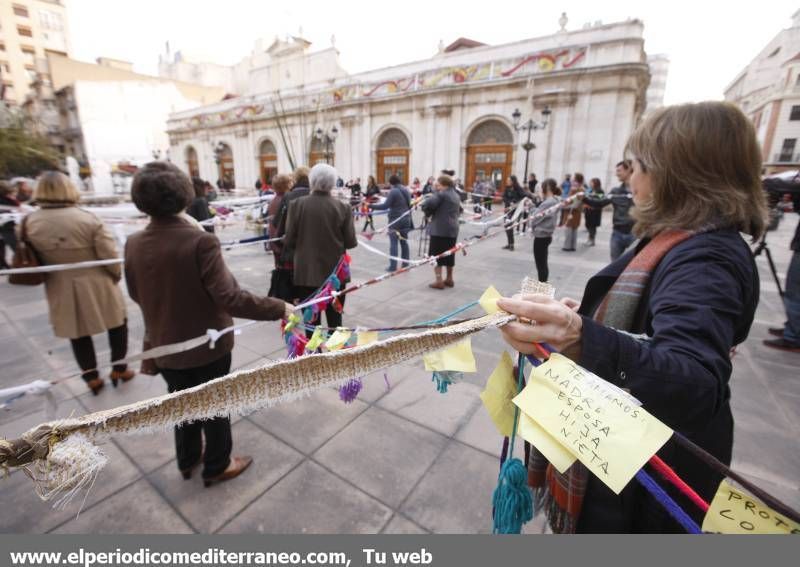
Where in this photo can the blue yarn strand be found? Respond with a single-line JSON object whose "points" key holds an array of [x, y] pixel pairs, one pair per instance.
{"points": [[667, 502]]}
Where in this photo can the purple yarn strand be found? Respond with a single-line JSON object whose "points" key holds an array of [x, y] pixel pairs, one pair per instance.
{"points": [[668, 503]]}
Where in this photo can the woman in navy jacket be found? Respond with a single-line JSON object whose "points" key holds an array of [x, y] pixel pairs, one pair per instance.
{"points": [[661, 320]]}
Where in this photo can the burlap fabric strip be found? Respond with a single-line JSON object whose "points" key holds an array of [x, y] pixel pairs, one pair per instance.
{"points": [[64, 453]]}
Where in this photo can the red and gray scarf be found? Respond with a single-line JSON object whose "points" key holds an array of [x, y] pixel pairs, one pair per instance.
{"points": [[561, 495]]}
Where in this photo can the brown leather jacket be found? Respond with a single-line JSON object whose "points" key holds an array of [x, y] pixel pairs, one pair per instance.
{"points": [[177, 275]]}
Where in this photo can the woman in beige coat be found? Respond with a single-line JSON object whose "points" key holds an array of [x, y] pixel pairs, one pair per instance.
{"points": [[86, 301]]}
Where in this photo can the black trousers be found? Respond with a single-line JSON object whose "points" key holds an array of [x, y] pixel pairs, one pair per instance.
{"points": [[217, 431], [367, 223], [332, 317], [83, 349], [510, 231], [540, 246]]}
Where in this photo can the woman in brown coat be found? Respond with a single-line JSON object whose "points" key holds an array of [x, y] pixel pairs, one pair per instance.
{"points": [[86, 301]]}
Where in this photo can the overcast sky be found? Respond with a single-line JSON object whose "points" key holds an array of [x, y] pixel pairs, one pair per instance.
{"points": [[708, 43]]}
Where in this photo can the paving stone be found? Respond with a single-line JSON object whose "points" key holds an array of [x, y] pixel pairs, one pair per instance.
{"points": [[382, 454], [136, 510], [400, 525], [456, 494], [150, 451], [271, 460], [480, 433], [417, 399], [312, 500], [307, 423], [32, 515]]}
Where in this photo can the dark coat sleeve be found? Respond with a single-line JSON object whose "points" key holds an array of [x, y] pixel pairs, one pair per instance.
{"points": [[388, 203], [681, 374], [225, 291], [430, 204], [349, 229]]}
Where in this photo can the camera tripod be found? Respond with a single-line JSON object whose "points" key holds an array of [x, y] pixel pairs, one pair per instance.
{"points": [[762, 247]]}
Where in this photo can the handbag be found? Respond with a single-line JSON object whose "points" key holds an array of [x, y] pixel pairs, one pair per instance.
{"points": [[25, 257]]}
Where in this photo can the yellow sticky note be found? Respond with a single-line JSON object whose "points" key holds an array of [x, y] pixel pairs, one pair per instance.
{"points": [[316, 339], [338, 339], [489, 300], [500, 389], [457, 357], [735, 512], [597, 422], [555, 452], [366, 337]]}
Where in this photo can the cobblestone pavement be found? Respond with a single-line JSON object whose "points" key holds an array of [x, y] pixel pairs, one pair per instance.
{"points": [[403, 459]]}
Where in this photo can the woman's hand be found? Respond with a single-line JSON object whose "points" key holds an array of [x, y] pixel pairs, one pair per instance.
{"points": [[288, 309], [546, 321]]}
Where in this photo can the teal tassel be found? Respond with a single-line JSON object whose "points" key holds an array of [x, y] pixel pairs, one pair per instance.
{"points": [[512, 499], [444, 378]]}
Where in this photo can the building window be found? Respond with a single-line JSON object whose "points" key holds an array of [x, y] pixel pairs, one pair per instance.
{"points": [[24, 31], [2, 46], [795, 115], [787, 151], [51, 20], [5, 67], [20, 11], [29, 56]]}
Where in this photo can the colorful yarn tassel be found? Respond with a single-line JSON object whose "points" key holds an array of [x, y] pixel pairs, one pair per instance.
{"points": [[444, 378], [512, 499], [349, 391]]}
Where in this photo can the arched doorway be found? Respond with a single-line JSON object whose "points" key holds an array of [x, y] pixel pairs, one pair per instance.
{"points": [[321, 152], [267, 161], [392, 157], [226, 171], [191, 162], [490, 147]]}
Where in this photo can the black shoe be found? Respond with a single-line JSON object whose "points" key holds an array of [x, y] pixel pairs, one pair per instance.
{"points": [[776, 331], [782, 344], [507, 247]]}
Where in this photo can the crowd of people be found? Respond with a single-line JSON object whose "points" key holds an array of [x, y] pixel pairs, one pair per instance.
{"points": [[680, 275]]}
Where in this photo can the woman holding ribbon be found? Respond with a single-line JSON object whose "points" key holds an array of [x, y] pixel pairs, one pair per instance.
{"points": [[84, 301], [661, 320]]}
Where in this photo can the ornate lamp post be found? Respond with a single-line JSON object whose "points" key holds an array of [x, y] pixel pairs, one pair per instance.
{"points": [[328, 137], [530, 126], [156, 154]]}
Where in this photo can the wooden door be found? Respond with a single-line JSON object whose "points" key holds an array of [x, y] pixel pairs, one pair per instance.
{"points": [[194, 169], [393, 162], [268, 167], [319, 157], [489, 161], [226, 171]]}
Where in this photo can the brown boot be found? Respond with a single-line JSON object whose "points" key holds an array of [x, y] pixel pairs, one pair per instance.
{"points": [[121, 375], [449, 280], [438, 284], [237, 466]]}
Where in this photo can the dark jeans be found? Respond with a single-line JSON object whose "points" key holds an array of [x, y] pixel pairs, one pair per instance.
{"points": [[540, 246], [619, 242], [522, 226], [398, 236], [217, 431], [83, 349], [592, 232], [510, 231], [332, 317], [369, 223]]}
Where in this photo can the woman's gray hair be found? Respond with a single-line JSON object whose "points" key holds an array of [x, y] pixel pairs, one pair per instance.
{"points": [[323, 178]]}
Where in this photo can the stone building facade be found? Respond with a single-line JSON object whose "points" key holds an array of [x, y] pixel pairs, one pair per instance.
{"points": [[453, 111]]}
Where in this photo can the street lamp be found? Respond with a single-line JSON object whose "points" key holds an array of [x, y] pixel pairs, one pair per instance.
{"points": [[156, 154], [530, 126], [328, 137]]}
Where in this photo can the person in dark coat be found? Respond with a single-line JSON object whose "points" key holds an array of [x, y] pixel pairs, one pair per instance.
{"points": [[444, 208], [661, 320], [298, 191], [593, 215], [398, 203], [621, 199], [319, 230], [198, 209], [513, 194], [8, 204]]}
